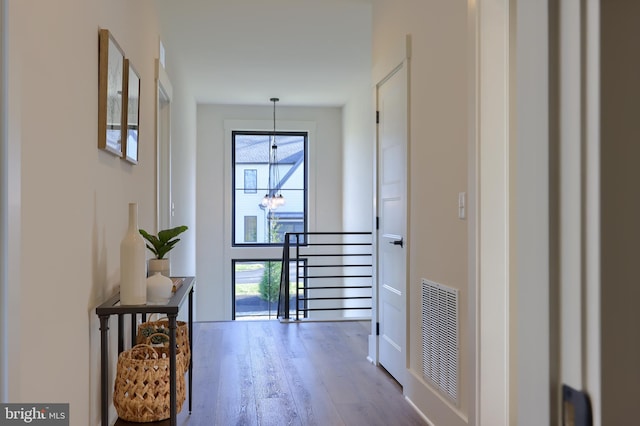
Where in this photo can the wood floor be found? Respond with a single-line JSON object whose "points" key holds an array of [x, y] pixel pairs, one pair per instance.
{"points": [[272, 374]]}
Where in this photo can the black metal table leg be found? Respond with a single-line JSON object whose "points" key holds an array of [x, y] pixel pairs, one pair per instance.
{"points": [[190, 347], [134, 327], [173, 325], [104, 368], [120, 333]]}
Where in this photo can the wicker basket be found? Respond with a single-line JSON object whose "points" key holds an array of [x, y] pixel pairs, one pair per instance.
{"points": [[142, 386], [146, 329], [160, 342]]}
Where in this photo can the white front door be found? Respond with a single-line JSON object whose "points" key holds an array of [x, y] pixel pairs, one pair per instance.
{"points": [[392, 214]]}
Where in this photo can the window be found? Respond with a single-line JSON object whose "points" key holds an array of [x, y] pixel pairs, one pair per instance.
{"points": [[251, 151], [256, 288], [250, 181], [250, 229]]}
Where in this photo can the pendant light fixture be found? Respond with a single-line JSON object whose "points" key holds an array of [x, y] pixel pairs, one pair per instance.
{"points": [[273, 198]]}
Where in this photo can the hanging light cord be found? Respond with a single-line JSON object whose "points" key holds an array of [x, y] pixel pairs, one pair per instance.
{"points": [[272, 200], [274, 151]]}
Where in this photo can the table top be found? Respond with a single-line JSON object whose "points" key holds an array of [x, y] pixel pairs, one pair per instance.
{"points": [[112, 305]]}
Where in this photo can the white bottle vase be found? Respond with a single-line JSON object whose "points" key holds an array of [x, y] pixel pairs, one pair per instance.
{"points": [[133, 274], [159, 289]]}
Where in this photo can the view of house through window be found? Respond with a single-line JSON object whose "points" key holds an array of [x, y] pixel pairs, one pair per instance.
{"points": [[251, 229], [256, 288], [252, 169], [250, 181]]}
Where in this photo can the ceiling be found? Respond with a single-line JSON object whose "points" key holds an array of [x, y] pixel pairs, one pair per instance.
{"points": [[306, 52]]}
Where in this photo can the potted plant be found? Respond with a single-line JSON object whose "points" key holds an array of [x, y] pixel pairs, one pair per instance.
{"points": [[160, 245]]}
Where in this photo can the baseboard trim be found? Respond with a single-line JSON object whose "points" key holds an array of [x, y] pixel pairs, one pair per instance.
{"points": [[417, 410]]}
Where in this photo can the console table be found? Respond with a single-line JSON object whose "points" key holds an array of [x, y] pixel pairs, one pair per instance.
{"points": [[171, 310]]}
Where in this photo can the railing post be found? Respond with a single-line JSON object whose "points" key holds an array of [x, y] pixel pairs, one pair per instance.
{"points": [[285, 266], [306, 236]]}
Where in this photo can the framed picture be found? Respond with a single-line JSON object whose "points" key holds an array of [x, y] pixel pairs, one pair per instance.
{"points": [[110, 88], [131, 112]]}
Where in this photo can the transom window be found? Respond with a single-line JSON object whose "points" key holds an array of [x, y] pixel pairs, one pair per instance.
{"points": [[251, 182]]}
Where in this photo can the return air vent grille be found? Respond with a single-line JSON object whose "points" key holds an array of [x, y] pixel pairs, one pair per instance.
{"points": [[440, 337]]}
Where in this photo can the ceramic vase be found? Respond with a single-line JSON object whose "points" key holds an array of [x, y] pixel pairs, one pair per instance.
{"points": [[159, 288], [159, 265], [133, 274]]}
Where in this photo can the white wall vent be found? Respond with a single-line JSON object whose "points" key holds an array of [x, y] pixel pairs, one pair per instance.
{"points": [[440, 337]]}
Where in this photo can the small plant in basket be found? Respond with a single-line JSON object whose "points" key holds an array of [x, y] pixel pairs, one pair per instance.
{"points": [[147, 330], [159, 339]]}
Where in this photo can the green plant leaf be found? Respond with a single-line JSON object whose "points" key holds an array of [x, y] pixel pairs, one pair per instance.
{"points": [[159, 338], [164, 242], [168, 234], [153, 250], [165, 249]]}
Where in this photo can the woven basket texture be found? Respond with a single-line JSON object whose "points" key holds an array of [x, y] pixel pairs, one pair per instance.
{"points": [[142, 386], [146, 329]]}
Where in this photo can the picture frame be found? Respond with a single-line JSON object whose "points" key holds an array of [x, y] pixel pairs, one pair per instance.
{"points": [[131, 113], [110, 93]]}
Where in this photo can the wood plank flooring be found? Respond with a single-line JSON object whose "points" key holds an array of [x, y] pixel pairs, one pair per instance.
{"points": [[267, 373], [272, 374]]}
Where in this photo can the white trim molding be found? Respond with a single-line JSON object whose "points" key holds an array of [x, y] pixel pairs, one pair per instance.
{"points": [[493, 214]]}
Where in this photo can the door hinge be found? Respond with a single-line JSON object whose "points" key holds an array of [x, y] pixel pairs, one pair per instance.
{"points": [[377, 117], [377, 222], [377, 329]]}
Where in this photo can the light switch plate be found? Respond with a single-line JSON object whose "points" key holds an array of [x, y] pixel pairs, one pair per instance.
{"points": [[462, 205]]}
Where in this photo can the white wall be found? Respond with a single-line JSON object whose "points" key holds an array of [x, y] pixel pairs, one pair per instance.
{"points": [[438, 172], [580, 326], [214, 251], [496, 234], [531, 320], [592, 351], [570, 191], [514, 377], [357, 188], [358, 136], [4, 194], [68, 200]]}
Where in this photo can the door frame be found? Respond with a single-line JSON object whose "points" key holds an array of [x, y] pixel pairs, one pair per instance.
{"points": [[4, 262], [399, 57], [164, 204], [510, 150]]}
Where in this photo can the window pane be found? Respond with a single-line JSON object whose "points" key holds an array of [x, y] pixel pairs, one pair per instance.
{"points": [[253, 180], [250, 229], [256, 289], [250, 181]]}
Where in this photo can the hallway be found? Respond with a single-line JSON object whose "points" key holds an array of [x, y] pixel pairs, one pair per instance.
{"points": [[272, 374]]}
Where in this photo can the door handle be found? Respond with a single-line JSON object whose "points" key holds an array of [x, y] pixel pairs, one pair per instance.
{"points": [[397, 242]]}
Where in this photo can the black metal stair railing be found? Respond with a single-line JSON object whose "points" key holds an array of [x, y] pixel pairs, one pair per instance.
{"points": [[324, 273]]}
